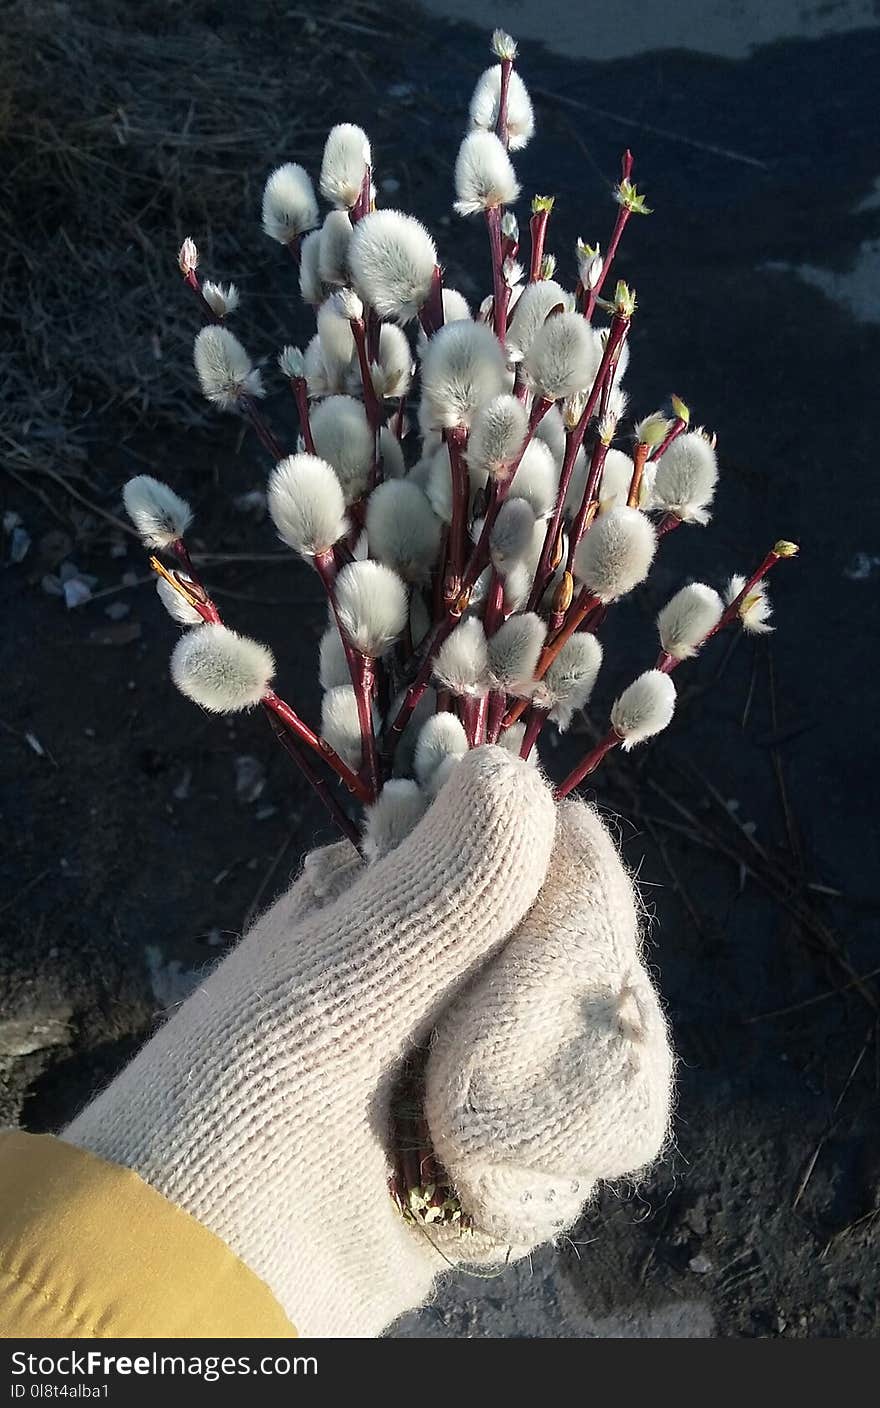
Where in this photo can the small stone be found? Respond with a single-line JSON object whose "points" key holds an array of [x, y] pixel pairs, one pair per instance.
{"points": [[76, 592], [250, 778], [700, 1264]]}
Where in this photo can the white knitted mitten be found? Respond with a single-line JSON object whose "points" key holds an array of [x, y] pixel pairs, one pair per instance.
{"points": [[261, 1107]]}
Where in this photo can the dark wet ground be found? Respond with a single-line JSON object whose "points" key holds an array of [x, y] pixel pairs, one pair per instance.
{"points": [[129, 861]]}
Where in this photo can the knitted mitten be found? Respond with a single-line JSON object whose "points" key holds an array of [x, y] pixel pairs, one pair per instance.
{"points": [[553, 1071], [262, 1106]]}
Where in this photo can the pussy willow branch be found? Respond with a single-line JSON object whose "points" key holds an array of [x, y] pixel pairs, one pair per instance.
{"points": [[362, 677], [573, 441], [299, 387], [193, 591], [623, 215], [668, 663], [500, 290]]}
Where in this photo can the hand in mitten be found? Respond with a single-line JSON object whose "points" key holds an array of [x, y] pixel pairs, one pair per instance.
{"points": [[262, 1106]]}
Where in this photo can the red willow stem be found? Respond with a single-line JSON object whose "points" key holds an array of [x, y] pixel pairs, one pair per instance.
{"points": [[668, 663], [640, 457], [667, 523], [364, 202], [260, 427], [536, 721], [294, 246], [585, 514], [678, 425], [538, 231], [361, 678], [427, 654], [573, 441], [306, 735], [455, 609], [495, 715], [584, 604], [623, 214], [276, 706], [299, 387], [587, 765], [371, 400], [456, 440], [500, 291], [781, 549], [364, 697], [501, 130], [431, 315], [191, 279], [301, 758]]}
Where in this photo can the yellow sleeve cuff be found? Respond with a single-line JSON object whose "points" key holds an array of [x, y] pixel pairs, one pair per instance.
{"points": [[88, 1250]]}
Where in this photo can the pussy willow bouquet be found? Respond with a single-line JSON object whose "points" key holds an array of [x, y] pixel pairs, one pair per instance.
{"points": [[466, 484]]}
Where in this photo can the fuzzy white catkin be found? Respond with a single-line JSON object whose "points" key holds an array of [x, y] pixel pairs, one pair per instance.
{"points": [[537, 479], [686, 477], [336, 235], [512, 534], [687, 618], [462, 661], [498, 430], [438, 484], [289, 204], [340, 726], [291, 362], [392, 374], [484, 176], [306, 504], [455, 306], [440, 737], [344, 164], [616, 553], [393, 463], [337, 343], [392, 259], [310, 285], [644, 709], [462, 368], [177, 607], [318, 381], [514, 650], [441, 775], [520, 114], [551, 429], [398, 811], [517, 585], [372, 606], [534, 307], [755, 616], [403, 530], [617, 476], [561, 360], [223, 672], [332, 661], [569, 680], [343, 438], [222, 299], [224, 368], [159, 515]]}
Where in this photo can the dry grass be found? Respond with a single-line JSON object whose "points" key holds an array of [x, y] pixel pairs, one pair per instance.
{"points": [[123, 128]]}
